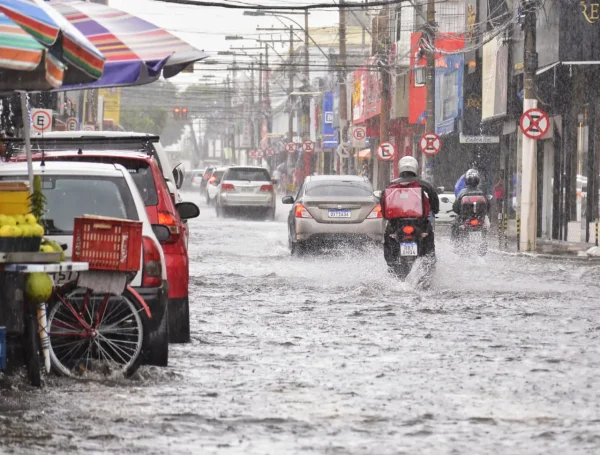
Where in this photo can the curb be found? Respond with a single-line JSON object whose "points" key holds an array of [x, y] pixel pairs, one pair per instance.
{"points": [[557, 256]]}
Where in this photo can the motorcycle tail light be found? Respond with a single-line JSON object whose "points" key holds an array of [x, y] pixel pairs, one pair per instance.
{"points": [[408, 229], [474, 222]]}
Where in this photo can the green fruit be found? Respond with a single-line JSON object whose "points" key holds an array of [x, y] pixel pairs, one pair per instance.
{"points": [[30, 218], [2, 220], [10, 221], [38, 287], [46, 249], [20, 219], [18, 231], [26, 230], [55, 248]]}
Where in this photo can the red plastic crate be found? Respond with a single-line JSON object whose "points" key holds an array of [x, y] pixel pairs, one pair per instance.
{"points": [[107, 243]]}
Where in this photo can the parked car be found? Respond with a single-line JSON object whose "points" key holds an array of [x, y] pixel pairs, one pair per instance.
{"points": [[329, 209], [447, 198], [160, 208], [212, 184], [75, 189], [206, 175], [193, 178], [116, 140], [247, 188]]}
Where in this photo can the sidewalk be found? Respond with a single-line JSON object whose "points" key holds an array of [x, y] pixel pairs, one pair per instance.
{"points": [[548, 248]]}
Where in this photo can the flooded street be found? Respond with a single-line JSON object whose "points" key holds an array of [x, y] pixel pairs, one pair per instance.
{"points": [[329, 354]]}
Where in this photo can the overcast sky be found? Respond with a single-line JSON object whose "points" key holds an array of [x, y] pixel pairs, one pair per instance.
{"points": [[206, 28]]}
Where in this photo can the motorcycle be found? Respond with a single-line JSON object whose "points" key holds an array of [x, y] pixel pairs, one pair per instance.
{"points": [[470, 228], [411, 244]]}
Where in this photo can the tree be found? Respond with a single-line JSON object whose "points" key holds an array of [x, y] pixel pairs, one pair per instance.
{"points": [[151, 120]]}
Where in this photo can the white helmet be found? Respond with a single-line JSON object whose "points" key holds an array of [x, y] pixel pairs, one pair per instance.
{"points": [[408, 164]]}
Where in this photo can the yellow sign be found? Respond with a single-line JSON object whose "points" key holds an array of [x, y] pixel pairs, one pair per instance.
{"points": [[591, 12], [112, 104]]}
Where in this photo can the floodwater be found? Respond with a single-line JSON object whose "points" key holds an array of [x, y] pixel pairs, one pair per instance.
{"points": [[330, 355]]}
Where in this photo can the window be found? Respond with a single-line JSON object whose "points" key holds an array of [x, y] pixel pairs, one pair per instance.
{"points": [[337, 188], [144, 180], [247, 174], [420, 76], [71, 196]]}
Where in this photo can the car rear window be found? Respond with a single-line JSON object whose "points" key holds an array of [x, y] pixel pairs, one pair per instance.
{"points": [[338, 189], [248, 174], [144, 180], [70, 196]]}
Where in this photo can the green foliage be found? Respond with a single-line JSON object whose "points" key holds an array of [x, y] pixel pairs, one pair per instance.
{"points": [[37, 198], [149, 120]]}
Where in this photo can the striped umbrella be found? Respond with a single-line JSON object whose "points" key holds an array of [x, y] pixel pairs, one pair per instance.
{"points": [[40, 50], [137, 52]]}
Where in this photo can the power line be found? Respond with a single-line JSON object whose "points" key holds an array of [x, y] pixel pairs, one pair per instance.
{"points": [[322, 6]]}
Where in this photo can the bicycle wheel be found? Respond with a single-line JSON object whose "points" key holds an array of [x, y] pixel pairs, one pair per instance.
{"points": [[100, 333]]}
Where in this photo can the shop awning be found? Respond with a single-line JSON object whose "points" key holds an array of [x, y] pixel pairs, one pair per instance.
{"points": [[365, 154]]}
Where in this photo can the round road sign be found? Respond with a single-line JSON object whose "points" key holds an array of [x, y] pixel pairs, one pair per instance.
{"points": [[270, 151], [72, 124], [359, 133], [386, 151], [430, 144], [252, 154], [259, 154], [308, 146], [290, 147], [89, 128], [535, 123], [41, 120]]}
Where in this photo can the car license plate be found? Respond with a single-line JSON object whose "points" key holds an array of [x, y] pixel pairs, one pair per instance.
{"points": [[340, 214], [247, 190], [476, 236], [408, 249], [64, 277]]}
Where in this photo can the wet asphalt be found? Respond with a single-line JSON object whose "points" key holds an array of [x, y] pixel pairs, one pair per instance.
{"points": [[328, 354]]}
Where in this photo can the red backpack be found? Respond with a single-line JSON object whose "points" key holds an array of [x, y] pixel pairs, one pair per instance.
{"points": [[405, 200]]}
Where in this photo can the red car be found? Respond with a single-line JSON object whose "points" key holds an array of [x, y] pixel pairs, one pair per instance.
{"points": [[161, 209]]}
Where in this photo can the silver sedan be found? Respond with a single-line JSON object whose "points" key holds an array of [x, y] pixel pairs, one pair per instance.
{"points": [[331, 209]]}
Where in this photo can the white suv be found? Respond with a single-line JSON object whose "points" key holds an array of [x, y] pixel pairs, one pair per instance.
{"points": [[76, 189]]}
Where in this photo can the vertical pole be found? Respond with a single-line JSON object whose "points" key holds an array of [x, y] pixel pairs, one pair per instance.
{"points": [[306, 98], [529, 154], [291, 87], [271, 160], [342, 79], [259, 117], [27, 134], [384, 116], [427, 171]]}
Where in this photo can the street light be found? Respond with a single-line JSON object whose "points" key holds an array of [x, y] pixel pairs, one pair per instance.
{"points": [[234, 37], [225, 53]]}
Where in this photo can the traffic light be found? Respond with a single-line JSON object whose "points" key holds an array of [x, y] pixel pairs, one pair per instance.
{"points": [[176, 113], [184, 113]]}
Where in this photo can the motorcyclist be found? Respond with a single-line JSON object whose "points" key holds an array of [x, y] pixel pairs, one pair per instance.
{"points": [[409, 168], [472, 181]]}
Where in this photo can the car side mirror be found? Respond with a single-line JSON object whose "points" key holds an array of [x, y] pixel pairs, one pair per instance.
{"points": [[378, 194], [287, 199], [161, 232], [178, 176], [187, 210]]}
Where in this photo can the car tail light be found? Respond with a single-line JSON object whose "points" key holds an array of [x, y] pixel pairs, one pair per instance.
{"points": [[227, 187], [206, 176], [152, 268], [376, 212], [474, 222], [301, 212], [169, 220], [268, 188], [408, 229]]}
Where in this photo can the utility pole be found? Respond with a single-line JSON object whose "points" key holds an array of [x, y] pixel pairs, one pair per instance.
{"points": [[291, 87], [529, 151], [427, 171], [251, 110], [231, 123], [306, 98], [383, 59], [342, 78], [267, 96], [260, 102]]}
